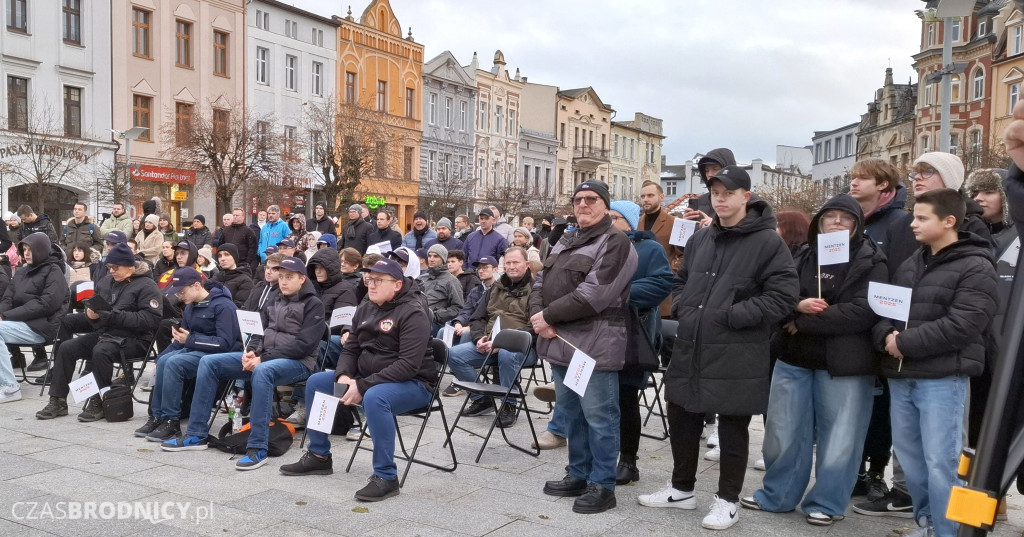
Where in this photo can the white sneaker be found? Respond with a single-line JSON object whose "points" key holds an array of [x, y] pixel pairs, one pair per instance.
{"points": [[669, 497], [722, 516], [298, 417], [759, 464], [713, 436], [714, 454], [10, 393]]}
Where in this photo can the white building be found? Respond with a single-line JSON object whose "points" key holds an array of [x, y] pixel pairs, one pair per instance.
{"points": [[635, 156], [835, 151], [56, 69], [291, 60]]}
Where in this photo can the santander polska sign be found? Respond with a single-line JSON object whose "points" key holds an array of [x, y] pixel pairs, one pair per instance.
{"points": [[164, 175]]}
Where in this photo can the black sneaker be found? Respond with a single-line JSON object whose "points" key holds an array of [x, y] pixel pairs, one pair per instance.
{"points": [[895, 504], [452, 390], [626, 472], [93, 409], [149, 427], [167, 430], [38, 364], [565, 487], [507, 416], [877, 488], [597, 499], [479, 408], [378, 489], [860, 488], [17, 358], [309, 464], [253, 459], [58, 406]]}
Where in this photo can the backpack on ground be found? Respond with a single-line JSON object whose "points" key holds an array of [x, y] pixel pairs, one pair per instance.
{"points": [[118, 404], [282, 435]]}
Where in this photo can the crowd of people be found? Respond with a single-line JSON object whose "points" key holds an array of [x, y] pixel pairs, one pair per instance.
{"points": [[764, 328]]}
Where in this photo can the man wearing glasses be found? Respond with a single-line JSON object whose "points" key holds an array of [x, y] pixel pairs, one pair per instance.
{"points": [[583, 291], [386, 366], [484, 242], [128, 307]]}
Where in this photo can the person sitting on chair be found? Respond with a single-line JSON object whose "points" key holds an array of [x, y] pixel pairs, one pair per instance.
{"points": [[284, 354], [386, 366], [31, 307], [119, 321]]}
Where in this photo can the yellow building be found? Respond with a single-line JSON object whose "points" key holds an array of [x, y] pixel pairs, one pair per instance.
{"points": [[379, 69], [1007, 76]]}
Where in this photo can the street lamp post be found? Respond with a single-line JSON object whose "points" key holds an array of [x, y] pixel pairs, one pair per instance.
{"points": [[131, 134]]}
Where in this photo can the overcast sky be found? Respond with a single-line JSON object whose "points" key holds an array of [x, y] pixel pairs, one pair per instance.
{"points": [[744, 74]]}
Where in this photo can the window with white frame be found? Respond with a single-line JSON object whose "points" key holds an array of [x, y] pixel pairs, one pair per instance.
{"points": [[979, 83], [432, 109], [925, 143], [291, 29], [290, 71], [318, 37], [954, 142], [931, 34], [982, 27], [262, 20], [956, 29], [954, 83], [462, 115], [262, 56], [1014, 96], [1018, 39], [318, 78], [448, 112]]}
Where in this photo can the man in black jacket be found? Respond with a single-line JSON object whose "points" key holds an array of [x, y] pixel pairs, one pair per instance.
{"points": [[708, 166], [33, 223], [198, 234], [243, 237], [234, 275], [386, 366], [321, 221], [736, 282], [284, 354], [356, 233], [135, 306], [30, 309]]}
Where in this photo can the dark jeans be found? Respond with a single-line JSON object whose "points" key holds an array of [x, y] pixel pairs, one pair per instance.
{"points": [[630, 422], [101, 352], [684, 429], [878, 442]]}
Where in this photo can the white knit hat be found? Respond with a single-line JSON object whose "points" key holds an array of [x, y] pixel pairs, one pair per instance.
{"points": [[949, 166]]}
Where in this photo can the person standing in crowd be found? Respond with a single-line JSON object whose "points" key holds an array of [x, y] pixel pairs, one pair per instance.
{"points": [[356, 233], [82, 267], [297, 233], [244, 239], [444, 236], [321, 221], [582, 291], [660, 223], [822, 386], [651, 284], [118, 219], [272, 232], [484, 242], [198, 234], [166, 262], [33, 223], [985, 186], [875, 184], [522, 238], [792, 226], [218, 236], [384, 231], [462, 228], [501, 224], [736, 282], [420, 234], [165, 227], [13, 222], [708, 166], [150, 239], [81, 229], [261, 220]]}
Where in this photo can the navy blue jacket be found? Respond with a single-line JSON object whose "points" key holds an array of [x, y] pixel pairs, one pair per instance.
{"points": [[478, 245], [877, 224], [212, 323]]}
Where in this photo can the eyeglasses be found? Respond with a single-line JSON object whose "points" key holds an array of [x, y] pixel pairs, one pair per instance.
{"points": [[614, 217], [112, 268], [839, 217], [181, 294], [374, 282], [925, 173], [588, 200]]}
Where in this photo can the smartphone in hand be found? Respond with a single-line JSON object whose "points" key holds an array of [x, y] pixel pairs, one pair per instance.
{"points": [[339, 389]]}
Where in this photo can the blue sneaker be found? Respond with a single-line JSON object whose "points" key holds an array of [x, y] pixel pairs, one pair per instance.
{"points": [[253, 459], [185, 443]]}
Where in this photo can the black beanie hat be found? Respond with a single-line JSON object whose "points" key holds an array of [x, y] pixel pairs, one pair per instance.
{"points": [[597, 187], [201, 218], [230, 249]]}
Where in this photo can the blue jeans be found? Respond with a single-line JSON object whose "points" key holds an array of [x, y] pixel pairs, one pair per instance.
{"points": [[463, 359], [592, 425], [214, 368], [381, 403], [172, 370], [807, 405], [927, 417], [466, 337], [15, 333]]}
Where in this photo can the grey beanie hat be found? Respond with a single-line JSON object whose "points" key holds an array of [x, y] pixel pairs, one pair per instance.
{"points": [[441, 251], [444, 222]]}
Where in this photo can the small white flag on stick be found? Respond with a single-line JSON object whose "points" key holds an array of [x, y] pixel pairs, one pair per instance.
{"points": [[834, 248], [890, 301], [682, 230]]}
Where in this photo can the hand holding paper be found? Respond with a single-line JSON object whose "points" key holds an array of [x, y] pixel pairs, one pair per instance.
{"points": [[682, 230]]}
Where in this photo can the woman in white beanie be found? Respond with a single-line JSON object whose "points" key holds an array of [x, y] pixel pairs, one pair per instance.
{"points": [[149, 239], [937, 169]]}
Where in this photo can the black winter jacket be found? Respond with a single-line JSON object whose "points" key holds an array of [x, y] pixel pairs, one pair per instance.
{"points": [[136, 304], [41, 225], [381, 235], [337, 291], [900, 243], [238, 282], [199, 237], [294, 326], [734, 286], [951, 310], [877, 224], [356, 234], [390, 343], [839, 338], [242, 237], [38, 293]]}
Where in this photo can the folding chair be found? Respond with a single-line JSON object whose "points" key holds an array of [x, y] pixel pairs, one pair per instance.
{"points": [[134, 373], [512, 341], [440, 353], [656, 380]]}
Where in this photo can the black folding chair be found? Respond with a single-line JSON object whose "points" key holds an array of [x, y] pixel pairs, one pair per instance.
{"points": [[512, 341], [133, 367], [656, 380], [440, 353]]}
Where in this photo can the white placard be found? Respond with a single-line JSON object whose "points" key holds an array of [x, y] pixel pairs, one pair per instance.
{"points": [[384, 246], [682, 230], [1012, 253], [496, 328], [834, 248], [320, 414], [578, 375], [890, 301], [448, 335], [342, 316], [84, 388], [249, 322]]}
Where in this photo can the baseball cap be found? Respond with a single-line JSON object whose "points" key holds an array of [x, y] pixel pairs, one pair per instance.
{"points": [[183, 278], [287, 243], [486, 212], [271, 250], [292, 264], [486, 261], [732, 177], [387, 266], [116, 237], [183, 245]]}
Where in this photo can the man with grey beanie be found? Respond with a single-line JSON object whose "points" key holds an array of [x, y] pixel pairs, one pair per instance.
{"points": [[444, 236], [441, 289], [356, 233]]}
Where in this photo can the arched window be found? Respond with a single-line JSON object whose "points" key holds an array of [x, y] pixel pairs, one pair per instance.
{"points": [[979, 84]]}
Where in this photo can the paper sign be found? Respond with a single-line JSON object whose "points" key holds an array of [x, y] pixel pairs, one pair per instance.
{"points": [[682, 230], [578, 375], [342, 316], [250, 322], [890, 301], [448, 335], [834, 248], [384, 246], [84, 388], [1011, 254], [320, 414], [496, 328]]}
